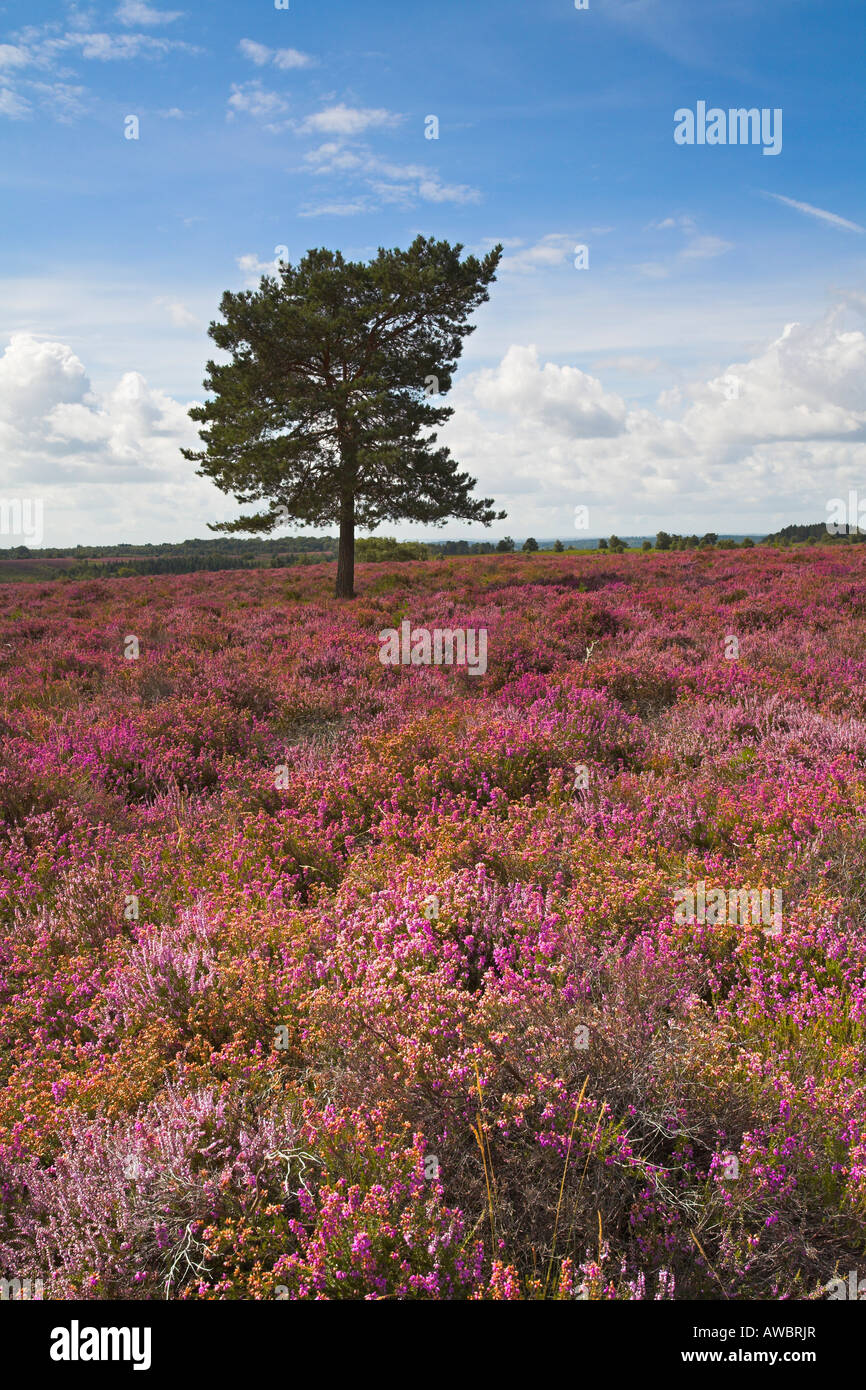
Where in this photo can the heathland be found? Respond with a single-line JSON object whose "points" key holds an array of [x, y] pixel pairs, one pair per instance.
{"points": [[324, 978]]}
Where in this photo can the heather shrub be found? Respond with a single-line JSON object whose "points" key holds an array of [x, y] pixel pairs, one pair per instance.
{"points": [[322, 979]]}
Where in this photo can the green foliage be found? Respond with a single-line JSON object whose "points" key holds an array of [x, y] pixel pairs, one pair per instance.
{"points": [[336, 370], [375, 548]]}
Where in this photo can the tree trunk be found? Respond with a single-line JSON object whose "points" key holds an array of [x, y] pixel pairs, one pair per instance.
{"points": [[346, 552]]}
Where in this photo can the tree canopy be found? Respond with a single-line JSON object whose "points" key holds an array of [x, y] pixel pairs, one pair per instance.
{"points": [[325, 409]]}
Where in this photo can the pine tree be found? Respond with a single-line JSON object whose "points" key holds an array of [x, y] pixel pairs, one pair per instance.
{"points": [[325, 408]]}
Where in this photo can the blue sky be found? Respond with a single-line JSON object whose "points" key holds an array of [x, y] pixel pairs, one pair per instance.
{"points": [[705, 371]]}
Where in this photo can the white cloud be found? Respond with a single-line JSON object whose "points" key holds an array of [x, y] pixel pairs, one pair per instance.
{"points": [[283, 58], [287, 58], [13, 105], [432, 191], [118, 47], [61, 100], [562, 398], [552, 250], [833, 218], [401, 184], [11, 56], [333, 158], [703, 248], [336, 209], [255, 100], [698, 246], [56, 429], [786, 428], [350, 120], [106, 465], [253, 269], [257, 53], [540, 436], [180, 315], [137, 12], [45, 48], [687, 224]]}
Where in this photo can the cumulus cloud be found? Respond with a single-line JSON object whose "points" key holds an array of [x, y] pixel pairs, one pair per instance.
{"points": [[552, 250], [563, 399], [789, 423], [782, 429], [253, 269], [105, 465], [56, 429]]}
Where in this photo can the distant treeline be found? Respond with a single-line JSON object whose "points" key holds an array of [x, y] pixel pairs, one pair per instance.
{"points": [[816, 531], [224, 553], [209, 546], [232, 553]]}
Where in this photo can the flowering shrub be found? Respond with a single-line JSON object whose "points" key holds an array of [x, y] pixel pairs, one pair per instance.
{"points": [[326, 979]]}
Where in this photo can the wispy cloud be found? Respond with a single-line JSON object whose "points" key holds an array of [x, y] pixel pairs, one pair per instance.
{"points": [[252, 99], [284, 58], [389, 182], [823, 216], [113, 47], [698, 246], [13, 56], [13, 105], [337, 209], [705, 248], [137, 12], [45, 47], [350, 120], [180, 315]]}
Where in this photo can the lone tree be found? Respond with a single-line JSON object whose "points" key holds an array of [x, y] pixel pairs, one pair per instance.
{"points": [[325, 408]]}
